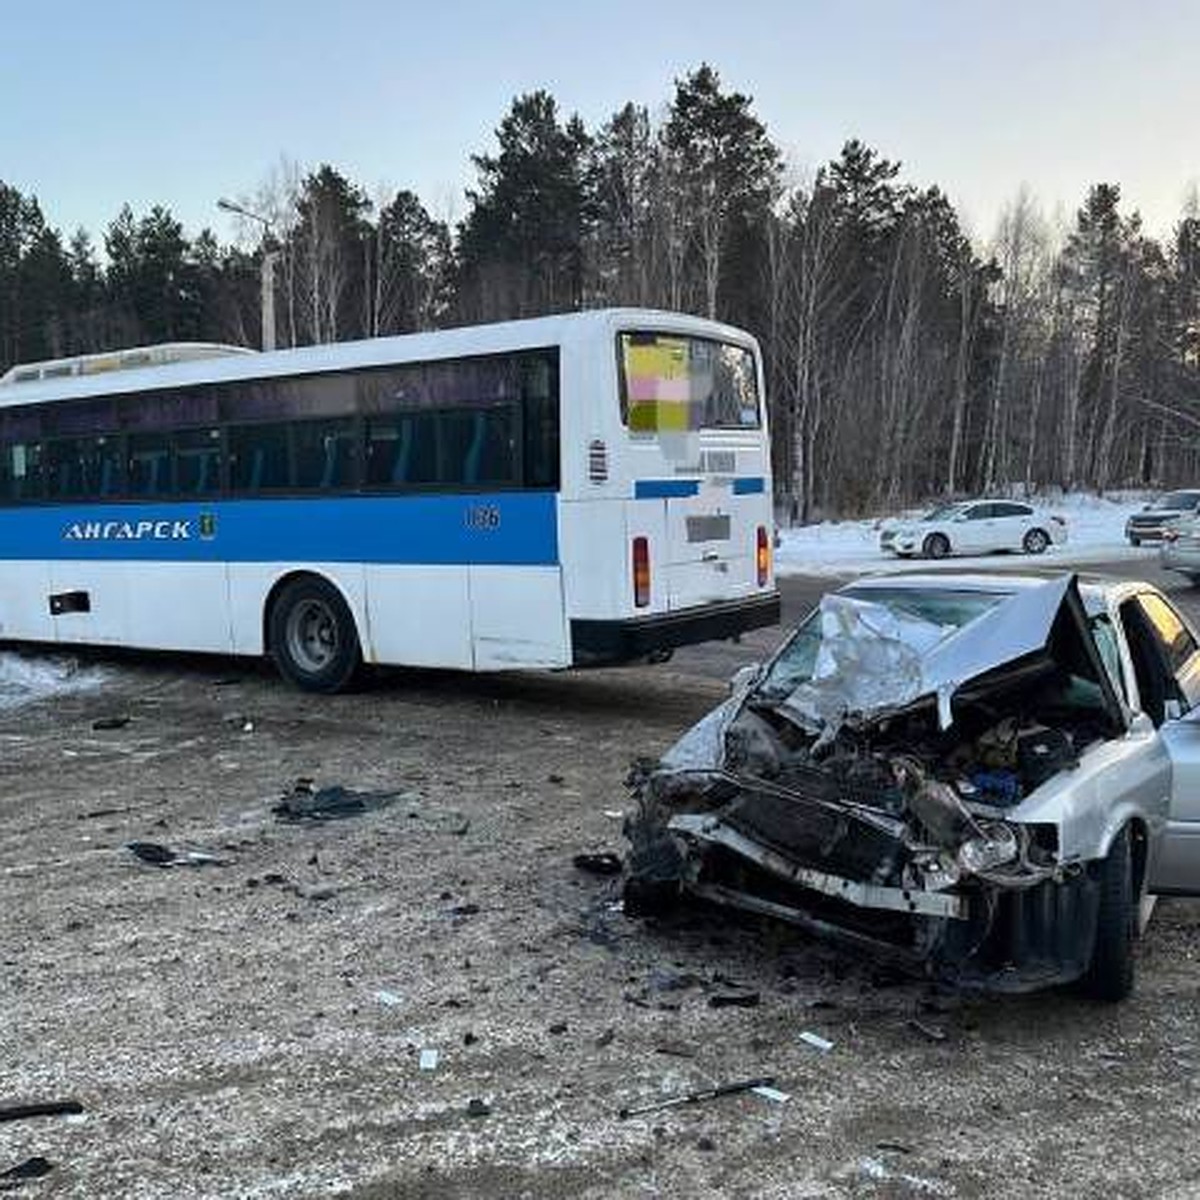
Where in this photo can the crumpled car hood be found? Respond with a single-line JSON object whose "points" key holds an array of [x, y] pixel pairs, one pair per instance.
{"points": [[873, 662]]}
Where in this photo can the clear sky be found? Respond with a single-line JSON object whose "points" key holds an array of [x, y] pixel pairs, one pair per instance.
{"points": [[159, 101]]}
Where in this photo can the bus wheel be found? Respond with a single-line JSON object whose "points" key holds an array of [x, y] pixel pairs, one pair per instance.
{"points": [[312, 636]]}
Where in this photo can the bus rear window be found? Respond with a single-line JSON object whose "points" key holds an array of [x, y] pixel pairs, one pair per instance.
{"points": [[673, 384]]}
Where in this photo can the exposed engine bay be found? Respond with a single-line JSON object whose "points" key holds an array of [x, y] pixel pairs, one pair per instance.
{"points": [[868, 783]]}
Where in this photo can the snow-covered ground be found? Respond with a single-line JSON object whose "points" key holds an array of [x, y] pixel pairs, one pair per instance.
{"points": [[24, 679], [1095, 533]]}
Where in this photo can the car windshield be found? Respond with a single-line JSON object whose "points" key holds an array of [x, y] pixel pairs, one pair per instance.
{"points": [[1176, 500], [943, 607], [941, 512]]}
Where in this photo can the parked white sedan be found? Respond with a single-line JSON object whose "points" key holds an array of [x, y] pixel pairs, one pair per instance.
{"points": [[975, 527]]}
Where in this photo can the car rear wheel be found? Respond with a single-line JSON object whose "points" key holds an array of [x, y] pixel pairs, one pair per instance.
{"points": [[1109, 976], [312, 636], [937, 545], [1036, 541]]}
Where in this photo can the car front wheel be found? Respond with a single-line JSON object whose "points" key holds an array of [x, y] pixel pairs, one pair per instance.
{"points": [[1109, 976], [937, 545], [1036, 541]]}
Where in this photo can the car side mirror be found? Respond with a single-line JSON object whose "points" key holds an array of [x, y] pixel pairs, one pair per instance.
{"points": [[1140, 723]]}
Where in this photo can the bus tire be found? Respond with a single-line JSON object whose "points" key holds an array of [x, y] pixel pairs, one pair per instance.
{"points": [[312, 636]]}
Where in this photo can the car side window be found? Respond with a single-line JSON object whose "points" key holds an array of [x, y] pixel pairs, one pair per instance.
{"points": [[1105, 637], [1177, 641], [978, 512], [1155, 684]]}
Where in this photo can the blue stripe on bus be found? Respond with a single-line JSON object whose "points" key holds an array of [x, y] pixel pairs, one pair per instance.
{"points": [[494, 528], [750, 485], [665, 489]]}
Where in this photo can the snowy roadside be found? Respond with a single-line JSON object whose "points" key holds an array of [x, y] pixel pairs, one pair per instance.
{"points": [[25, 679], [1095, 533]]}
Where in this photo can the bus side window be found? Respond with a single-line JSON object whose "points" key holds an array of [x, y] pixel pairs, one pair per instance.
{"points": [[325, 455], [64, 469], [480, 447], [149, 464], [402, 450], [198, 462], [21, 471], [258, 458]]}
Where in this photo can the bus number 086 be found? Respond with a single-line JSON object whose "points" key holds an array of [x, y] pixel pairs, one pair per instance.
{"points": [[483, 516]]}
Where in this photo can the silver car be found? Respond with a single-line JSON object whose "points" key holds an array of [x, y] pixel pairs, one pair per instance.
{"points": [[1180, 549], [985, 777]]}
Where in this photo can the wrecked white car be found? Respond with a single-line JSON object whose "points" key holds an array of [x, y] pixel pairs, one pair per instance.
{"points": [[985, 777]]}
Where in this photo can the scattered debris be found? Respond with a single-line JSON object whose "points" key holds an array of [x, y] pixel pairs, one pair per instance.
{"points": [[478, 1108], [428, 1060], [465, 910], [894, 1147], [157, 855], [816, 1041], [674, 1048], [606, 1038], [388, 999], [336, 803], [931, 1032], [103, 723], [664, 979], [772, 1094], [706, 1144], [40, 1108], [605, 862], [558, 1028], [696, 1097], [733, 1000], [31, 1168]]}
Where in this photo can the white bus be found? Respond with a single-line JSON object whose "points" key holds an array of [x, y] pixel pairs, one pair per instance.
{"points": [[567, 491]]}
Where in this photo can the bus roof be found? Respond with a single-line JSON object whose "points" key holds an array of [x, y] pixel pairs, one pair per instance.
{"points": [[108, 361], [462, 341]]}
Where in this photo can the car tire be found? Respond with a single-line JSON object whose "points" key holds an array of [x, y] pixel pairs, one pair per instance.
{"points": [[1036, 541], [312, 636], [1135, 541], [936, 545], [1109, 976]]}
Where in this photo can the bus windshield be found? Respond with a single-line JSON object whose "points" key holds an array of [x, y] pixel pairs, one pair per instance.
{"points": [[673, 384]]}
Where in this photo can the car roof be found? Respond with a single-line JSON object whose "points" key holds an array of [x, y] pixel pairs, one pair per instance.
{"points": [[1096, 590]]}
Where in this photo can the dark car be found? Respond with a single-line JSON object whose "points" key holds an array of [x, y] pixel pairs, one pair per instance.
{"points": [[1149, 524]]}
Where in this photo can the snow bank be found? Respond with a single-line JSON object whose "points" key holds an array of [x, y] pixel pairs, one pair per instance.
{"points": [[1095, 533], [26, 679]]}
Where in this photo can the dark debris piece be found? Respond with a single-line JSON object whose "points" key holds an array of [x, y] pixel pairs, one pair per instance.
{"points": [[603, 863], [734, 1000], [478, 1108], [306, 804], [102, 723], [31, 1168], [157, 855], [40, 1108]]}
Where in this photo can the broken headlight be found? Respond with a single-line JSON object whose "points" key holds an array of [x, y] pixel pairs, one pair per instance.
{"points": [[995, 846]]}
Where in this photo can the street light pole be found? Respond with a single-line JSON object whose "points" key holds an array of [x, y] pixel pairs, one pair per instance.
{"points": [[269, 258]]}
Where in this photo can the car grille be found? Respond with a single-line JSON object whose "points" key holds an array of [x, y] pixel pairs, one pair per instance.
{"points": [[818, 837]]}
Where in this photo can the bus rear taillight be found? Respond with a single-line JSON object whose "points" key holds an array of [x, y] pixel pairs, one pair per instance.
{"points": [[762, 556], [641, 572]]}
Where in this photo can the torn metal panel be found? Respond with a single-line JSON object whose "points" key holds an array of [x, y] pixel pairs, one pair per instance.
{"points": [[865, 895]]}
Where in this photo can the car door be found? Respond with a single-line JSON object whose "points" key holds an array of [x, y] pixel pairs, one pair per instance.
{"points": [[971, 533], [1010, 523], [1175, 861]]}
